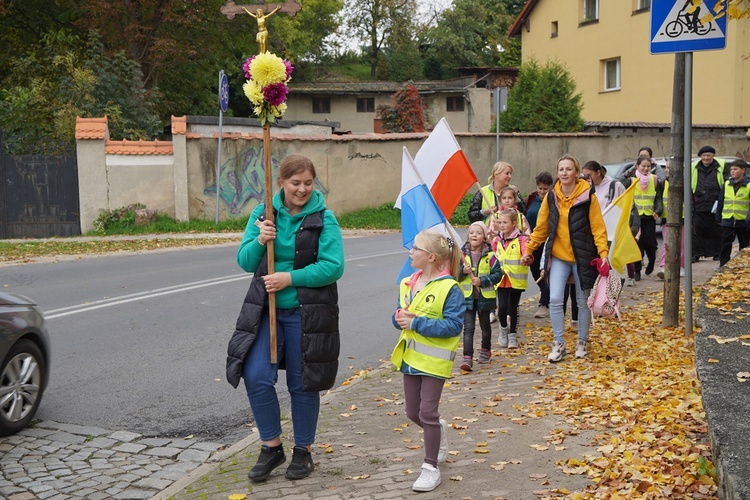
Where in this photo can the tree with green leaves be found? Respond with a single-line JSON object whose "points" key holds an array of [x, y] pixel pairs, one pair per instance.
{"points": [[471, 33], [61, 78], [373, 21], [179, 46], [543, 99]]}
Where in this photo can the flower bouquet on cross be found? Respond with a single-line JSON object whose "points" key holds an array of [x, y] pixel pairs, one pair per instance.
{"points": [[267, 75]]}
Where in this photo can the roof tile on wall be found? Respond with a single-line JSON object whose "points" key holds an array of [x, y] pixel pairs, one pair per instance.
{"points": [[91, 128], [179, 124], [138, 148]]}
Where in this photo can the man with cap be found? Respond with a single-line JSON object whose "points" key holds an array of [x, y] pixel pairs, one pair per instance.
{"points": [[707, 179], [734, 210]]}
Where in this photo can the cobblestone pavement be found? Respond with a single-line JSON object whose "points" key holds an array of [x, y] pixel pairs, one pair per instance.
{"points": [[61, 461]]}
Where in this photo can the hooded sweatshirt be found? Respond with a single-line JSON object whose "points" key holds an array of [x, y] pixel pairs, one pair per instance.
{"points": [[330, 264], [562, 247]]}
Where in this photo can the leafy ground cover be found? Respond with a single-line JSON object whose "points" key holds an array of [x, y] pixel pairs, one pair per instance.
{"points": [[641, 398]]}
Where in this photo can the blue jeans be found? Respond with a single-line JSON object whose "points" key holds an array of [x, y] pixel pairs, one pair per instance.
{"points": [[261, 376], [559, 270]]}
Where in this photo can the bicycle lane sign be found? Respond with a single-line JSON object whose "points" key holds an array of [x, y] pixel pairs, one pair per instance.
{"points": [[673, 29]]}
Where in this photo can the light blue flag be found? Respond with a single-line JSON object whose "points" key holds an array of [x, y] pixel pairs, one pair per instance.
{"points": [[419, 211]]}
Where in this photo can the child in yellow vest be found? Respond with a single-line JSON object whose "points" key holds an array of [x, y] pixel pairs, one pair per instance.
{"points": [[509, 246], [430, 316], [478, 276], [508, 200], [648, 201]]}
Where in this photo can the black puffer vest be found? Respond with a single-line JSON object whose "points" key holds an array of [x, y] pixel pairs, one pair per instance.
{"points": [[319, 313], [581, 237]]}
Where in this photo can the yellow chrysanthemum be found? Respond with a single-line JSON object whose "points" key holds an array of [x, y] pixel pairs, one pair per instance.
{"points": [[278, 111], [268, 68], [253, 91]]}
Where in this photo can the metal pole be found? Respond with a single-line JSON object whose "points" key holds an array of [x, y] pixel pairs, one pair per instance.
{"points": [[218, 153], [688, 192]]}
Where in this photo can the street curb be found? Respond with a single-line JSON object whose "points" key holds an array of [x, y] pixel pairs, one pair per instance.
{"points": [[215, 461]]}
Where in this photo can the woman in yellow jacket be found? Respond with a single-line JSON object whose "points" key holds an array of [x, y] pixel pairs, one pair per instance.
{"points": [[571, 224], [430, 316]]}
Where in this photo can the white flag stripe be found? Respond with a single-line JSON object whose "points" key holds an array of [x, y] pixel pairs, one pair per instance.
{"points": [[437, 149]]}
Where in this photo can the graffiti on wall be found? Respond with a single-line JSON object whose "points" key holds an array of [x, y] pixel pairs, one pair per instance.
{"points": [[242, 181]]}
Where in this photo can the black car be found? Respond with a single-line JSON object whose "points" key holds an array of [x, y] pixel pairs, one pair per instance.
{"points": [[24, 351]]}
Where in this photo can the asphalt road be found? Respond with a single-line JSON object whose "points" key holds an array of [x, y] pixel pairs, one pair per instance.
{"points": [[139, 340]]}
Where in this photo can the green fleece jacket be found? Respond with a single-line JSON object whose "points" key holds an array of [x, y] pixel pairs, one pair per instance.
{"points": [[330, 264]]}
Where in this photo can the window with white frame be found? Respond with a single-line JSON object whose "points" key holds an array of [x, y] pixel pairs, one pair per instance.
{"points": [[641, 6], [590, 10], [611, 74]]}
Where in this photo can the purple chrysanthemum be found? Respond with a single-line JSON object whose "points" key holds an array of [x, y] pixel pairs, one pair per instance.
{"points": [[246, 67], [275, 93], [289, 68]]}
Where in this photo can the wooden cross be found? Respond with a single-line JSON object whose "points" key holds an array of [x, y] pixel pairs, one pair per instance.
{"points": [[291, 7], [261, 12]]}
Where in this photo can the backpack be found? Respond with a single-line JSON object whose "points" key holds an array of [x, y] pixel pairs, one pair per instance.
{"points": [[604, 297]]}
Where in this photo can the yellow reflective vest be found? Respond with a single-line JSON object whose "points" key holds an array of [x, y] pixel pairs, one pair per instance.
{"points": [[666, 201], [430, 355], [736, 205], [482, 269], [510, 261], [644, 200], [488, 195]]}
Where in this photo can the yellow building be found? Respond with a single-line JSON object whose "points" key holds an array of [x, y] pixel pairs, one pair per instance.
{"points": [[605, 46]]}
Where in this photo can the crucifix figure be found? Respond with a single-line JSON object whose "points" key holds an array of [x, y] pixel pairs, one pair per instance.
{"points": [[262, 35], [290, 7]]}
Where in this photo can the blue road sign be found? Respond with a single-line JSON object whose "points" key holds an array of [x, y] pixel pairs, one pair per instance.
{"points": [[674, 29], [223, 91]]}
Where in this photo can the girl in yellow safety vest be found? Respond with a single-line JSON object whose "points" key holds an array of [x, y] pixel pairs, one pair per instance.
{"points": [[477, 277], [647, 199], [430, 316], [509, 246]]}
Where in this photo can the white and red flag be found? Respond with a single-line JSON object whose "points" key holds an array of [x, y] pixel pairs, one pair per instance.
{"points": [[443, 168]]}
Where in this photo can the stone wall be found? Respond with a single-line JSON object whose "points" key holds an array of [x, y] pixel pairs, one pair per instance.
{"points": [[354, 171]]}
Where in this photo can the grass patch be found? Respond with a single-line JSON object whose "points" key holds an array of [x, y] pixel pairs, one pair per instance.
{"points": [[353, 72], [166, 224], [387, 217], [382, 217]]}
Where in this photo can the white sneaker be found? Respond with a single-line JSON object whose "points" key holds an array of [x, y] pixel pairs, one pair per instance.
{"points": [[581, 349], [660, 274], [630, 282], [542, 312], [682, 271], [493, 317], [443, 452], [428, 480], [557, 353]]}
